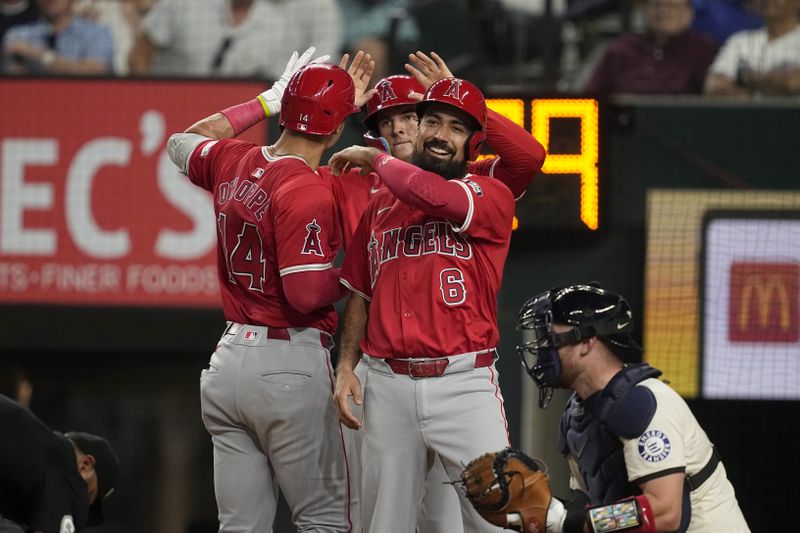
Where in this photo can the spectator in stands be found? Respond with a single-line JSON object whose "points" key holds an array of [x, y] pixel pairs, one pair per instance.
{"points": [[16, 12], [722, 18], [762, 61], [122, 18], [374, 26], [668, 59], [233, 38], [60, 42]]}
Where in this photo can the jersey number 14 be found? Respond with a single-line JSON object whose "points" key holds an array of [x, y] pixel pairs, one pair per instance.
{"points": [[244, 254]]}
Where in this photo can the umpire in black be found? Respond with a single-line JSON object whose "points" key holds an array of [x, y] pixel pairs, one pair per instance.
{"points": [[50, 482]]}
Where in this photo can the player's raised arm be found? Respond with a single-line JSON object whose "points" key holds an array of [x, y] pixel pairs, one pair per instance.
{"points": [[414, 186], [519, 155], [234, 120], [360, 70], [427, 69]]}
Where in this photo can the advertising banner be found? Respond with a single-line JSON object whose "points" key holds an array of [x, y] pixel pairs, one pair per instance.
{"points": [[92, 210]]}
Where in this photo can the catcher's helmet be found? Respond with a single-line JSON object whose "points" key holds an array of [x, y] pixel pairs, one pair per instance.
{"points": [[317, 99], [392, 91], [465, 96], [592, 310]]}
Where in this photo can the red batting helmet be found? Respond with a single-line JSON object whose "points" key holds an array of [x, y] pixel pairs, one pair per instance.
{"points": [[465, 96], [392, 91], [317, 99]]}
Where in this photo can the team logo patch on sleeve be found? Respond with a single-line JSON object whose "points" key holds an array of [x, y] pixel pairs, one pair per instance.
{"points": [[474, 186], [312, 245], [207, 148], [654, 446]]}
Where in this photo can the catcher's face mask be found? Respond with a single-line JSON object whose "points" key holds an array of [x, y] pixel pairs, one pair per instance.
{"points": [[539, 349], [592, 312]]}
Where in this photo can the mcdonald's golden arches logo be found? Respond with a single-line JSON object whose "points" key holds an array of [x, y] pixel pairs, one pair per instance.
{"points": [[764, 301]]}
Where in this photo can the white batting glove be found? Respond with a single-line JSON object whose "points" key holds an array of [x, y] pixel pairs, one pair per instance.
{"points": [[556, 514], [271, 98]]}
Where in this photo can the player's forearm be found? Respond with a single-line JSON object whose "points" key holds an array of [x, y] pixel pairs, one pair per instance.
{"points": [[421, 189], [355, 321], [521, 155], [216, 126], [232, 121], [312, 290]]}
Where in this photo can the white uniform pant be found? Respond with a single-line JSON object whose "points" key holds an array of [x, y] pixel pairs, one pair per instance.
{"points": [[441, 509], [459, 416], [267, 405]]}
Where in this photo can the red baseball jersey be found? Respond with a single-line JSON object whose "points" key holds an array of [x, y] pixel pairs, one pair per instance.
{"points": [[432, 285], [275, 216], [352, 192]]}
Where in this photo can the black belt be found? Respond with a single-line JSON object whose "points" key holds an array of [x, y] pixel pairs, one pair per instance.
{"points": [[699, 478]]}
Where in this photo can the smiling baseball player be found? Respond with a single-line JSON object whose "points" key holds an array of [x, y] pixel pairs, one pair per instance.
{"points": [[393, 124], [432, 248]]}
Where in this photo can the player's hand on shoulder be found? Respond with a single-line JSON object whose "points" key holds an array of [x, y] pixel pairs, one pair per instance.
{"points": [[347, 385], [427, 69], [354, 156], [360, 70]]}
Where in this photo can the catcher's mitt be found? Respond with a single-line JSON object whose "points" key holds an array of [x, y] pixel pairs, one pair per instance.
{"points": [[509, 489]]}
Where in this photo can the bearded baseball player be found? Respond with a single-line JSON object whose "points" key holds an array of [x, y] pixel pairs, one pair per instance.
{"points": [[266, 395], [637, 455], [428, 257], [392, 124]]}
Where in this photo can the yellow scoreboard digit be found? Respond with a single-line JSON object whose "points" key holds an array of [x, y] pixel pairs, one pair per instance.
{"points": [[583, 163]]}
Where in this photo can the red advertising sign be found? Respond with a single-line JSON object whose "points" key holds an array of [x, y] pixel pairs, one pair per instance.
{"points": [[92, 210], [764, 300]]}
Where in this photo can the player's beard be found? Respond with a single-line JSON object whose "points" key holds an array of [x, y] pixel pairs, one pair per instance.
{"points": [[449, 169]]}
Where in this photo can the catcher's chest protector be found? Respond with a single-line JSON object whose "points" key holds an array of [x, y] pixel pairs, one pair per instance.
{"points": [[590, 431]]}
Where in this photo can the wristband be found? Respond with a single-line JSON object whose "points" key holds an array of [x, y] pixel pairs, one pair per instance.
{"points": [[634, 515], [244, 115]]}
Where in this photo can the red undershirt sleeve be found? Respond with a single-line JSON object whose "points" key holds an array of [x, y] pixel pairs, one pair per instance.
{"points": [[519, 155], [421, 189], [311, 290]]}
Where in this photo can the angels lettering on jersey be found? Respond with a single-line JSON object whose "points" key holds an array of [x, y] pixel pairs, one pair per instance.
{"points": [[433, 237]]}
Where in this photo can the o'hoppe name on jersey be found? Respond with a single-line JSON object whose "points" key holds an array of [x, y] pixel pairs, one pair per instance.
{"points": [[434, 237], [251, 195]]}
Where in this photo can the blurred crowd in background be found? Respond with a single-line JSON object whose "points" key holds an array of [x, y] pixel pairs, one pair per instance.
{"points": [[600, 46]]}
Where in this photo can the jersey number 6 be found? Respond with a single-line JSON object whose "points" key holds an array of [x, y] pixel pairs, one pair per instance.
{"points": [[451, 282]]}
